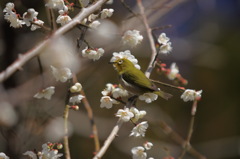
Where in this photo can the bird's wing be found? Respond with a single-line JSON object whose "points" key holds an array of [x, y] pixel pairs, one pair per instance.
{"points": [[138, 79]]}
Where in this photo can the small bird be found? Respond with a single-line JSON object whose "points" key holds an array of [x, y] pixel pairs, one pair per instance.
{"points": [[134, 80]]}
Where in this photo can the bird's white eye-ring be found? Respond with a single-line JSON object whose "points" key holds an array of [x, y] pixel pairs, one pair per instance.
{"points": [[120, 62]]}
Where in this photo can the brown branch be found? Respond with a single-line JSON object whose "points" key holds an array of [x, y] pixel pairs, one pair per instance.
{"points": [[150, 38], [109, 140], [65, 138], [93, 124], [24, 58], [179, 140]]}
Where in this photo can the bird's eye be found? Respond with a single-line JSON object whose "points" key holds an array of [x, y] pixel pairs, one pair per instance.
{"points": [[120, 62]]}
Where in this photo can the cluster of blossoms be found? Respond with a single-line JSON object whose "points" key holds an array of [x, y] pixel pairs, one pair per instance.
{"points": [[133, 114], [92, 21], [48, 151], [172, 73], [139, 152], [29, 18], [132, 38], [112, 91], [165, 44], [93, 54], [191, 95]]}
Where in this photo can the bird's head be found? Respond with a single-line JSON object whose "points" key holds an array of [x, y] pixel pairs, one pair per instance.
{"points": [[122, 65]]}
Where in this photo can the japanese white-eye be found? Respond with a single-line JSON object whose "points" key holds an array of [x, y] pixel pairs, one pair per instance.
{"points": [[134, 80]]}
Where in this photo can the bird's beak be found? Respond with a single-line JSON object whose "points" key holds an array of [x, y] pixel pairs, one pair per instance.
{"points": [[111, 62]]}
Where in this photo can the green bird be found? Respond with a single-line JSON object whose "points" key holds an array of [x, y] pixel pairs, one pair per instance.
{"points": [[134, 80]]}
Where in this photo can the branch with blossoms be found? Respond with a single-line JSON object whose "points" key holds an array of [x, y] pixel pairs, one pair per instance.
{"points": [[123, 94]]}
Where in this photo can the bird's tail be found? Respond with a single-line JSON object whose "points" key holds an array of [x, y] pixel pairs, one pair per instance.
{"points": [[162, 94]]}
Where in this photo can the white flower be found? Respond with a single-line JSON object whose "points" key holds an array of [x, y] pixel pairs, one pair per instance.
{"points": [[63, 18], [48, 153], [165, 48], [148, 145], [108, 90], [84, 21], [191, 95], [94, 24], [31, 154], [3, 156], [45, 93], [173, 71], [132, 38], [76, 99], [107, 102], [29, 16], [124, 114], [76, 88], [105, 13], [34, 27], [55, 4], [92, 17], [13, 19], [93, 54], [62, 74], [126, 54], [148, 97], [138, 153], [119, 92], [137, 114], [9, 7], [163, 39], [140, 129]]}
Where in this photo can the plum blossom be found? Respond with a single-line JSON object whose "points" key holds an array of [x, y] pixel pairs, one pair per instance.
{"points": [[165, 44], [11, 16], [173, 71], [124, 114], [63, 18], [76, 88], [148, 97], [132, 38], [107, 102], [148, 145], [45, 93], [105, 13], [138, 153], [61, 74], [76, 99], [93, 54], [137, 114], [139, 130], [191, 95]]}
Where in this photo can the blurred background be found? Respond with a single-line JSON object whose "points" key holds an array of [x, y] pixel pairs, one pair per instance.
{"points": [[205, 38]]}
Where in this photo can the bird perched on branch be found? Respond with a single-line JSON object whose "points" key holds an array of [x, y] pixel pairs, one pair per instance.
{"points": [[134, 80]]}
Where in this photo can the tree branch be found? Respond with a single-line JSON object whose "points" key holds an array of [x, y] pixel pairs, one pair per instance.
{"points": [[24, 58]]}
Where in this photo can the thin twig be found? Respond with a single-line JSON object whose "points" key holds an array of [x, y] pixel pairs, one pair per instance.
{"points": [[93, 124], [90, 116], [65, 138], [128, 8], [150, 38], [24, 58], [179, 140], [109, 140], [190, 130]]}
